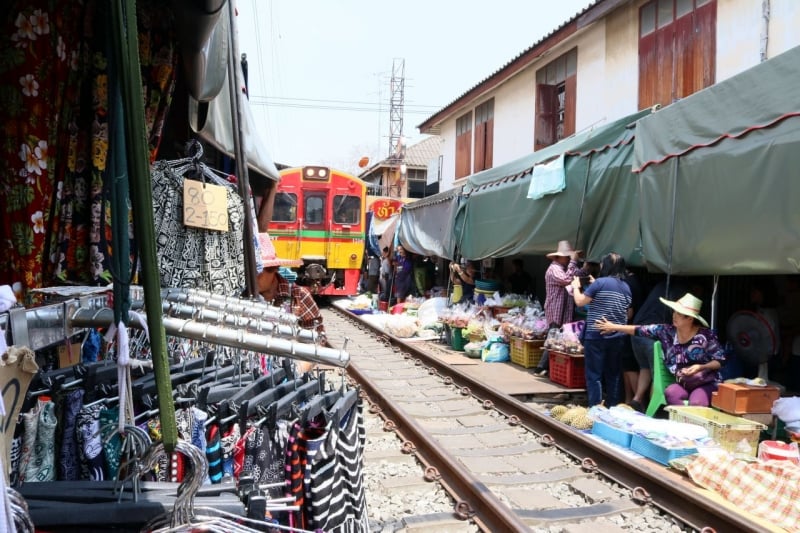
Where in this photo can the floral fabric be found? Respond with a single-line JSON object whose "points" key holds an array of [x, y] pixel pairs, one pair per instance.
{"points": [[54, 84]]}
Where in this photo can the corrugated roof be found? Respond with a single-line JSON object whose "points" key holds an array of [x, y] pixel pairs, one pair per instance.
{"points": [[420, 154], [417, 155], [433, 128]]}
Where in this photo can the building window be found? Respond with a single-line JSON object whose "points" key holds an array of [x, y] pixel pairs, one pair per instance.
{"points": [[464, 145], [484, 134], [677, 49], [556, 87]]}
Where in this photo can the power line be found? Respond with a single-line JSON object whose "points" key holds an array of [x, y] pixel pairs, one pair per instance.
{"points": [[377, 108], [331, 101]]}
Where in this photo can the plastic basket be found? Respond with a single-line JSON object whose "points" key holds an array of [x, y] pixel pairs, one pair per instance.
{"points": [[526, 353], [567, 370], [473, 353], [612, 434], [457, 339], [727, 430], [654, 451]]}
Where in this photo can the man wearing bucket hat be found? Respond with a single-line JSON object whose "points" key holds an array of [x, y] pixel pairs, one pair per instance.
{"points": [[692, 352], [557, 303], [276, 289]]}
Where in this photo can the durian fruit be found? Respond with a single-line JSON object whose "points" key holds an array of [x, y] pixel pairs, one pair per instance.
{"points": [[558, 411], [572, 414], [582, 421]]}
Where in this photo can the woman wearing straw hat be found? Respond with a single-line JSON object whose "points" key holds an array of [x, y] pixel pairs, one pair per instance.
{"points": [[692, 352], [276, 289]]}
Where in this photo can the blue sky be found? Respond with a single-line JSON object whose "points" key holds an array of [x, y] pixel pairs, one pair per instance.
{"points": [[319, 71]]}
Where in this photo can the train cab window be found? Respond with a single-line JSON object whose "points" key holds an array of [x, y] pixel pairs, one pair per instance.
{"points": [[314, 210], [284, 207], [346, 209]]}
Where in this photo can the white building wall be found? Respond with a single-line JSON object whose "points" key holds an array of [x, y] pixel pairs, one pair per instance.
{"points": [[783, 26], [514, 108], [620, 85], [740, 29], [448, 133], [608, 72]]}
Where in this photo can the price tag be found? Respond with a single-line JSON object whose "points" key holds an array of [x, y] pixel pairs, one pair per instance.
{"points": [[205, 205], [69, 357]]}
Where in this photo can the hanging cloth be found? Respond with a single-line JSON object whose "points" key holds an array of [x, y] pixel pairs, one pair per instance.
{"points": [[193, 257]]}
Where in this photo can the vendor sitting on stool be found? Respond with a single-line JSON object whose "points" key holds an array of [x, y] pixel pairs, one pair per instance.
{"points": [[276, 290]]}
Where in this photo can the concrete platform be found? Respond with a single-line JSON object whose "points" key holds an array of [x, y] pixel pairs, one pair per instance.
{"points": [[507, 377]]}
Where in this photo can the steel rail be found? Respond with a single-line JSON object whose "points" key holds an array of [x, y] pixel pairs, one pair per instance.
{"points": [[649, 485], [482, 505]]}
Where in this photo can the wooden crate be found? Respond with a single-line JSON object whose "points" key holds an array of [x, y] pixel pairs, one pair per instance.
{"points": [[741, 399]]}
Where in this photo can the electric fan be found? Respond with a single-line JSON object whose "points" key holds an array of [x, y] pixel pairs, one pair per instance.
{"points": [[753, 340]]}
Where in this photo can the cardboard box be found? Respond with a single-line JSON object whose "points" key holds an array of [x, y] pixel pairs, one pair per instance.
{"points": [[740, 399]]}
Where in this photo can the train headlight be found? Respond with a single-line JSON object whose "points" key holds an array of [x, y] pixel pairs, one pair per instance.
{"points": [[353, 257]]}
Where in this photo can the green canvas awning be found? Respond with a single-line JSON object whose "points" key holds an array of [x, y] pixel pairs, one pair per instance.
{"points": [[718, 176], [596, 211]]}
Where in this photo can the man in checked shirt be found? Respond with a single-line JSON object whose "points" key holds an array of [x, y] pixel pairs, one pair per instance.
{"points": [[276, 289], [558, 304]]}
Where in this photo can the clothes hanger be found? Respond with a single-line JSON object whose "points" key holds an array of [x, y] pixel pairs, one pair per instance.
{"points": [[250, 407], [319, 405], [289, 403], [344, 405], [257, 386]]}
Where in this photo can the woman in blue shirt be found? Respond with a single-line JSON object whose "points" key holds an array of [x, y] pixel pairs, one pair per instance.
{"points": [[610, 297]]}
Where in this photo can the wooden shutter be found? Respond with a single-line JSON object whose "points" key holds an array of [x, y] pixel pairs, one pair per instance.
{"points": [[665, 75], [570, 99], [480, 146], [545, 126], [706, 50], [648, 71], [463, 154], [489, 144]]}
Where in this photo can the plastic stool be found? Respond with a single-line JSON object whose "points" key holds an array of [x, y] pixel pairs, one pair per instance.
{"points": [[662, 378]]}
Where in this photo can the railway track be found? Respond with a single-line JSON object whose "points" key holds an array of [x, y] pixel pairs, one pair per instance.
{"points": [[504, 464]]}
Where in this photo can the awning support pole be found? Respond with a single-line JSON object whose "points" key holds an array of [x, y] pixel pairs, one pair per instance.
{"points": [[124, 12], [243, 178]]}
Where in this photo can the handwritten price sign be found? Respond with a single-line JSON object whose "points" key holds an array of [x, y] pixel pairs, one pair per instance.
{"points": [[205, 205]]}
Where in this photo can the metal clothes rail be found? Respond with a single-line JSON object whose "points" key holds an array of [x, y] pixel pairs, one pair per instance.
{"points": [[187, 313]]}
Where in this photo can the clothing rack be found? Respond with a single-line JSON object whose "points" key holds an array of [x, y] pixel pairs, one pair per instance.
{"points": [[241, 306], [223, 335], [223, 320]]}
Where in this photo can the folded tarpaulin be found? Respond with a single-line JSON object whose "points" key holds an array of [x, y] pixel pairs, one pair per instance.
{"points": [[548, 178]]}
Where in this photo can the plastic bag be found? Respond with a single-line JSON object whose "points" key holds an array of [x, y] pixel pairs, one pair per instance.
{"points": [[495, 352]]}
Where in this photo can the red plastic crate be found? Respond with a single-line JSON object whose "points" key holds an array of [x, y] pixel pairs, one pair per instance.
{"points": [[567, 370]]}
